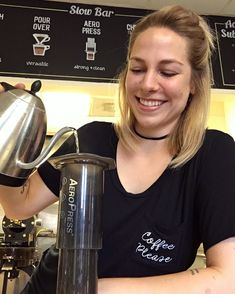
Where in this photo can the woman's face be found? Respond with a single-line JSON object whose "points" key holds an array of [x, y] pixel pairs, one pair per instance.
{"points": [[158, 81]]}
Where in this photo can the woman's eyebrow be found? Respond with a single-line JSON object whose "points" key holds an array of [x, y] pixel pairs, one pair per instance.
{"points": [[138, 59], [164, 61], [169, 61]]}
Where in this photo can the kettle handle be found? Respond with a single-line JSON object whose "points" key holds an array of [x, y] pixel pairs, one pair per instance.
{"points": [[35, 87], [6, 86]]}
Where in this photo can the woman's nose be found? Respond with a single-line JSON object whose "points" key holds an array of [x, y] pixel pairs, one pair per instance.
{"points": [[150, 81]]}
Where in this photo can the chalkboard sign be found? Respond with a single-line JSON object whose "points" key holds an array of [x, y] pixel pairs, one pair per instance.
{"points": [[223, 62], [56, 40]]}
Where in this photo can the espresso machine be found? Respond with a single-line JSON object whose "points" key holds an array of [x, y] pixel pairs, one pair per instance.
{"points": [[79, 233]]}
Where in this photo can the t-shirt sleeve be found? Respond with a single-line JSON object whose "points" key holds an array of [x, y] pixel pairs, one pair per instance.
{"points": [[216, 190]]}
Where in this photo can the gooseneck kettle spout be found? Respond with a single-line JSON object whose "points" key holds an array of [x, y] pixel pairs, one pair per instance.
{"points": [[23, 125], [43, 156]]}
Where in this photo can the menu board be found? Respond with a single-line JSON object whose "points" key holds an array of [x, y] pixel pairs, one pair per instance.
{"points": [[68, 41], [223, 62], [64, 41]]}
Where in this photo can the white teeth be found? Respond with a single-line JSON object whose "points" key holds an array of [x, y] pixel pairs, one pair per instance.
{"points": [[150, 102]]}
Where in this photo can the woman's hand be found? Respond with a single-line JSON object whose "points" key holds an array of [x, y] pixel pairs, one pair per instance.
{"points": [[20, 86]]}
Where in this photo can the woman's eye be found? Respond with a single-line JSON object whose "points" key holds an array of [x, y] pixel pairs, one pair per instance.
{"points": [[168, 73], [136, 70]]}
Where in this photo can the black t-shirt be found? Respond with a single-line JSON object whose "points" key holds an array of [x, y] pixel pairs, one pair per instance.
{"points": [[159, 231]]}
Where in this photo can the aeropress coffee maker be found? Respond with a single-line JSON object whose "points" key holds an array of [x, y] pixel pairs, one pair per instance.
{"points": [[79, 235], [79, 221]]}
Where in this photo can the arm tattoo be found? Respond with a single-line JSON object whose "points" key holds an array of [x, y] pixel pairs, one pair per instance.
{"points": [[194, 271], [26, 184]]}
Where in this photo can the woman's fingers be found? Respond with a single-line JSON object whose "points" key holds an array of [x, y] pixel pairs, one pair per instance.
{"points": [[20, 86]]}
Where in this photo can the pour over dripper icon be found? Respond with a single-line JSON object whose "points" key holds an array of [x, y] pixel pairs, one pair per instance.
{"points": [[40, 48]]}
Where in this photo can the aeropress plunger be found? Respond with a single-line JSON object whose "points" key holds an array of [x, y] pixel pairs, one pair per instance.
{"points": [[79, 233]]}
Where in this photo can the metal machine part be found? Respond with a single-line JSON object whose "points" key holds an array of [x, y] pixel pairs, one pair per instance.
{"points": [[79, 235], [17, 249]]}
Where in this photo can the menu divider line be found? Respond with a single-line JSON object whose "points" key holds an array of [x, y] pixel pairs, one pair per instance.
{"points": [[39, 8]]}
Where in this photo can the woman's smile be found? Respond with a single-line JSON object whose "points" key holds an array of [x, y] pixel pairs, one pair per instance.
{"points": [[149, 105]]}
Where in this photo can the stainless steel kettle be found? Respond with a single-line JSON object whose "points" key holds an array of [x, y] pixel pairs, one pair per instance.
{"points": [[23, 127]]}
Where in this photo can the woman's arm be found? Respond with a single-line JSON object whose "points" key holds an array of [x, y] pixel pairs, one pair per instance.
{"points": [[23, 202], [217, 278]]}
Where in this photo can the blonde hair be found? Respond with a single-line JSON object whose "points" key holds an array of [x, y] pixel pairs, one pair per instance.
{"points": [[188, 135]]}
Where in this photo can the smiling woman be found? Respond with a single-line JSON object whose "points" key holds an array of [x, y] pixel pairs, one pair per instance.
{"points": [[174, 78], [173, 186]]}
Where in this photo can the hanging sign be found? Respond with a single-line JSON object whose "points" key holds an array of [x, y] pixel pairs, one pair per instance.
{"points": [[67, 41]]}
